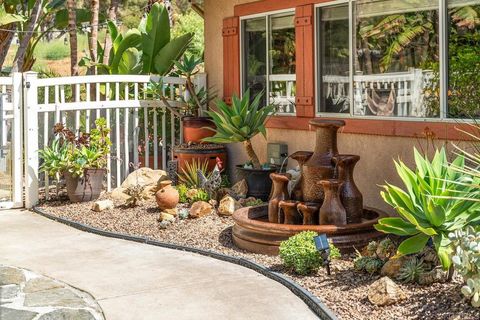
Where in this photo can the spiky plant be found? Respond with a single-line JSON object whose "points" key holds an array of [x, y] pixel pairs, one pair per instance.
{"points": [[411, 270], [189, 175]]}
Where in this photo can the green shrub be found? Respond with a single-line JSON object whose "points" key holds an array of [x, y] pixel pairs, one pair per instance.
{"points": [[201, 195], [182, 192], [439, 198], [300, 254], [466, 260]]}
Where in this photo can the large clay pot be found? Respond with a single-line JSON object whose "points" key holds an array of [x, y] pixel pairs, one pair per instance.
{"points": [[309, 212], [320, 165], [332, 210], [167, 196], [279, 193], [194, 129], [258, 181], [86, 188], [200, 153], [350, 195], [290, 212]]}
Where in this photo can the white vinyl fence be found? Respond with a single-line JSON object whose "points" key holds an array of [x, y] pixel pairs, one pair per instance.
{"points": [[142, 128]]}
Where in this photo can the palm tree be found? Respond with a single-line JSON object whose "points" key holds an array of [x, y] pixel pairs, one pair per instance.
{"points": [[72, 25], [93, 39], [112, 16]]}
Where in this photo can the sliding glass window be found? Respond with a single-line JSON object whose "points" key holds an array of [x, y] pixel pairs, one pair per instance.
{"points": [[269, 59]]}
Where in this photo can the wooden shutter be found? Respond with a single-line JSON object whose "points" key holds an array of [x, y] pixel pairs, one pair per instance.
{"points": [[305, 61], [231, 58]]}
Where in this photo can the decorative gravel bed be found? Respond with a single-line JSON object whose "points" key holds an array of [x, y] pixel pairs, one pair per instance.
{"points": [[344, 292]]}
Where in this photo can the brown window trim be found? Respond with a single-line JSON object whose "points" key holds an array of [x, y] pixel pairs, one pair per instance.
{"points": [[263, 6], [394, 128]]}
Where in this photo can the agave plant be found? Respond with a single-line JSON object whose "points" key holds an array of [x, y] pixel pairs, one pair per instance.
{"points": [[241, 122], [189, 175], [439, 199]]}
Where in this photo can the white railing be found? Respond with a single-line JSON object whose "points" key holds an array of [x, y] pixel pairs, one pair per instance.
{"points": [[129, 110], [282, 93], [407, 89]]}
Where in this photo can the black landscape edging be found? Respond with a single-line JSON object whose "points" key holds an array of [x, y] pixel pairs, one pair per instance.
{"points": [[307, 297]]}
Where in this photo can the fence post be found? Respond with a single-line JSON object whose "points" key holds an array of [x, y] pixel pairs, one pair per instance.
{"points": [[31, 139], [17, 138]]}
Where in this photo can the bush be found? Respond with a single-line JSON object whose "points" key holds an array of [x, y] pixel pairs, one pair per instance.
{"points": [[300, 254], [466, 260], [182, 192], [190, 195]]}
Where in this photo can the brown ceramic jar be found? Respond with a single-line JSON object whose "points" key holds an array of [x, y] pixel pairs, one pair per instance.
{"points": [[167, 196], [350, 195], [279, 193], [332, 211]]}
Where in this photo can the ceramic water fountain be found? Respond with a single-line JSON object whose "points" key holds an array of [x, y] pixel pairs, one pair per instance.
{"points": [[325, 199]]}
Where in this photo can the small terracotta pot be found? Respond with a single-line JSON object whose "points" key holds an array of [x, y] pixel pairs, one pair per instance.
{"points": [[167, 197], [194, 129]]}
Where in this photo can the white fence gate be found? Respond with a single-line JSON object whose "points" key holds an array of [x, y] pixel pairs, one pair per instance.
{"points": [[136, 119]]}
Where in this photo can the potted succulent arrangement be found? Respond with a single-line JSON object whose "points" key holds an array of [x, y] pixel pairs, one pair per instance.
{"points": [[81, 159], [240, 122]]}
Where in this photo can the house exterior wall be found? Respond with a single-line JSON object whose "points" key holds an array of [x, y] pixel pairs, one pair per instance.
{"points": [[386, 141]]}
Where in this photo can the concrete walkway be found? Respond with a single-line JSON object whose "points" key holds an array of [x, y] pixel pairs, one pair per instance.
{"points": [[138, 281]]}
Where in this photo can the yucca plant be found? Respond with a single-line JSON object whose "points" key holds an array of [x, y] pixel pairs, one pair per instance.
{"points": [[241, 122], [438, 200]]}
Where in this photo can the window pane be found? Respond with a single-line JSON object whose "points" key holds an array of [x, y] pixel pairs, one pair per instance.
{"points": [[396, 56], [255, 55], [282, 62], [333, 50], [464, 59]]}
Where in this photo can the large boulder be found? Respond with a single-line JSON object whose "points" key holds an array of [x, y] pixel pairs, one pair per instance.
{"points": [[385, 292], [201, 209], [148, 178]]}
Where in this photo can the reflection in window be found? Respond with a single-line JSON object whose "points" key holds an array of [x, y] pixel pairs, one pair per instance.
{"points": [[464, 59], [275, 62], [333, 49], [396, 52], [255, 55]]}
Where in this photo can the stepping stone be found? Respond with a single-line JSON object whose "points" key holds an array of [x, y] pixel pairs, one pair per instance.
{"points": [[13, 314], [11, 276], [40, 284], [68, 314], [59, 297], [9, 292]]}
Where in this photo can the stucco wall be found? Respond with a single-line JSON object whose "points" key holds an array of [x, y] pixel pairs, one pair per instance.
{"points": [[377, 152]]}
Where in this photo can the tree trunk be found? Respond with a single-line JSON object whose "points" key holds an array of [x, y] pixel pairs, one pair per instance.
{"points": [[251, 154], [112, 16], [6, 38], [72, 26], [92, 43], [18, 62]]}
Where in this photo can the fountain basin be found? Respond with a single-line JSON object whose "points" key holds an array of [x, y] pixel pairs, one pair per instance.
{"points": [[253, 232]]}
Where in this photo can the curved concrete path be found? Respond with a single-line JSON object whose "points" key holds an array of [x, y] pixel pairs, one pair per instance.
{"points": [[138, 281]]}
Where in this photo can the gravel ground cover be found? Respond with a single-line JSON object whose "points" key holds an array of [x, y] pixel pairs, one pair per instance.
{"points": [[344, 292]]}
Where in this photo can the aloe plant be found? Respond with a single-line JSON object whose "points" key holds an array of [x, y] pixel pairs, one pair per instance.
{"points": [[439, 199], [148, 49], [241, 122]]}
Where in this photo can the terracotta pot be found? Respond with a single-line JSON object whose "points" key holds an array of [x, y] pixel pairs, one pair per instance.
{"points": [[258, 181], [279, 193], [290, 212], [194, 129], [167, 197], [320, 165], [86, 188], [350, 195], [332, 210], [310, 212], [151, 161], [186, 155]]}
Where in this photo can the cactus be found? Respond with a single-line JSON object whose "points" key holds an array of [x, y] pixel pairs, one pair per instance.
{"points": [[466, 260], [371, 248], [411, 270], [386, 249], [370, 265]]}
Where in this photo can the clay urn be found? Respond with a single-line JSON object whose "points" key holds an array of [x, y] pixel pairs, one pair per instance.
{"points": [[167, 196]]}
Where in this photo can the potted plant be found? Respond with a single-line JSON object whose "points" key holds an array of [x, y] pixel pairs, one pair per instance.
{"points": [[195, 125], [81, 160], [240, 123]]}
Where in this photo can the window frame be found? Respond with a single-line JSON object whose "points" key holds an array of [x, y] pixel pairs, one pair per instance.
{"points": [[267, 16], [443, 63]]}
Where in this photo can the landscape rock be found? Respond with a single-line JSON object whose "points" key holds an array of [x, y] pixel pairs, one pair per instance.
{"points": [[213, 203], [228, 206], [166, 217], [392, 267], [8, 292], [200, 209], [118, 194], [241, 188], [61, 297], [40, 284], [148, 178], [173, 212], [10, 275], [68, 314], [13, 314], [99, 206], [385, 292], [436, 275], [192, 193]]}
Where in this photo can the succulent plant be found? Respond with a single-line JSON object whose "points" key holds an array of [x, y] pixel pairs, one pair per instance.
{"points": [[371, 249], [386, 249], [370, 265], [466, 260], [411, 270]]}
